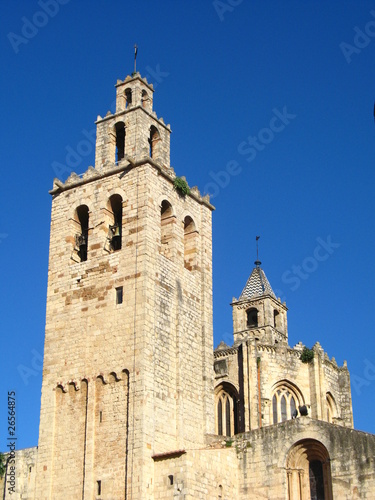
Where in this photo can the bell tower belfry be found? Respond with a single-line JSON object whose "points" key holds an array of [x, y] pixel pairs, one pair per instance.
{"points": [[128, 354], [133, 131], [258, 314]]}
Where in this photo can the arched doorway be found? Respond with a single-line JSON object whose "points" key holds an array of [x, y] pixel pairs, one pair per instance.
{"points": [[309, 471]]}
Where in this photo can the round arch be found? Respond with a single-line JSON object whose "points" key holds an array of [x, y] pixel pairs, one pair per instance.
{"points": [[309, 471]]}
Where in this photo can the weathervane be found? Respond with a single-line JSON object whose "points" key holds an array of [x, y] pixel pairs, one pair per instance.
{"points": [[135, 58], [257, 262]]}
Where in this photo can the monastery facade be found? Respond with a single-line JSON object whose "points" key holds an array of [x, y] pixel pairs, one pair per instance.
{"points": [[136, 404]]}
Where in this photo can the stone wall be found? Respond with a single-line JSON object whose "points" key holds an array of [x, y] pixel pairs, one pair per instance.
{"points": [[264, 457], [23, 467]]}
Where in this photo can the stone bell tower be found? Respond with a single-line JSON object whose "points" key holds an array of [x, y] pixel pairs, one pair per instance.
{"points": [[258, 314], [128, 357]]}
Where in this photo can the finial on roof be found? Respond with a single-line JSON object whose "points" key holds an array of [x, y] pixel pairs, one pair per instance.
{"points": [[257, 262], [135, 58]]}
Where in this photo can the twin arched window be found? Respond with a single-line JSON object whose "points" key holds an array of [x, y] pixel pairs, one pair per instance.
{"points": [[81, 219], [167, 236], [118, 134], [285, 402]]}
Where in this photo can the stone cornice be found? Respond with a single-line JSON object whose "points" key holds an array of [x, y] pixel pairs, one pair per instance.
{"points": [[221, 353], [129, 110], [131, 78], [127, 164]]}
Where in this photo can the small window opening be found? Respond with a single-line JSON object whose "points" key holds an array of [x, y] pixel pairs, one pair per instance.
{"points": [[220, 495], [119, 296], [190, 244], [166, 229], [30, 469], [82, 238], [99, 487], [275, 318], [116, 227], [154, 142], [252, 317], [128, 98], [170, 479], [144, 99], [100, 416], [120, 141]]}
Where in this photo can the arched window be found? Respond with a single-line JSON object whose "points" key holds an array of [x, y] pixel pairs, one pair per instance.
{"points": [[226, 410], [167, 221], [82, 217], [120, 141], [128, 98], [252, 317], [190, 244], [154, 142], [285, 401], [115, 229], [331, 407], [145, 99]]}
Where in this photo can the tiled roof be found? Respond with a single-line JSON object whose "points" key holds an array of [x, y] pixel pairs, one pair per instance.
{"points": [[257, 285]]}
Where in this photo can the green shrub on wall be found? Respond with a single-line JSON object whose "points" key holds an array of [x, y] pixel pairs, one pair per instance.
{"points": [[181, 186], [307, 355]]}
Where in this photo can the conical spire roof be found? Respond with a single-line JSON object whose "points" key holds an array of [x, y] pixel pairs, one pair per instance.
{"points": [[257, 284]]}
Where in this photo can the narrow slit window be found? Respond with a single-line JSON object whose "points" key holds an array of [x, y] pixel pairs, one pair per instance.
{"points": [[99, 487], [227, 417], [100, 416], [283, 409], [119, 295], [220, 418], [292, 407], [274, 409]]}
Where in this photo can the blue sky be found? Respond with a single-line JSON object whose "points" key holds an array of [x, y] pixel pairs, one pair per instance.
{"points": [[224, 73]]}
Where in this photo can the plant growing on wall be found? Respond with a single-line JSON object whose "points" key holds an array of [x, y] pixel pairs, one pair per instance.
{"points": [[181, 186], [307, 355]]}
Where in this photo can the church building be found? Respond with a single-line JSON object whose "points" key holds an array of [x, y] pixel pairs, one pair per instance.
{"points": [[136, 403]]}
